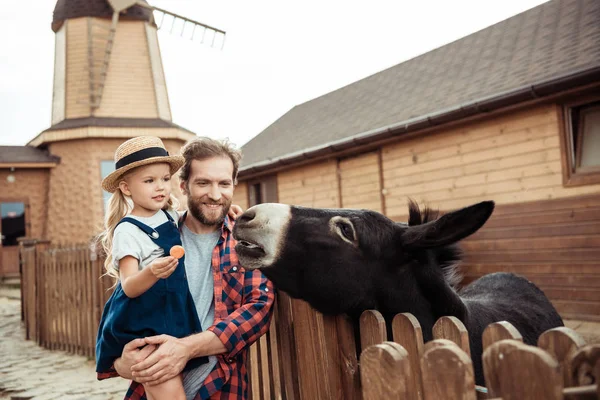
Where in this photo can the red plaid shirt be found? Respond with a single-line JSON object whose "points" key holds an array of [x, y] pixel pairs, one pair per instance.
{"points": [[243, 308]]}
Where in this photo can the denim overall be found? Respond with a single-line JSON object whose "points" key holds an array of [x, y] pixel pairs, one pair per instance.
{"points": [[166, 308]]}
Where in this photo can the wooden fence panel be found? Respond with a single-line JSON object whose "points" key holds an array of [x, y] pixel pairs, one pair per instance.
{"points": [[453, 329], [562, 343], [385, 372], [447, 373], [407, 332], [509, 364], [500, 331], [372, 329]]}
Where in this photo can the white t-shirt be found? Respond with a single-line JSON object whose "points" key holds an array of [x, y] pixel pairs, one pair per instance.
{"points": [[129, 240]]}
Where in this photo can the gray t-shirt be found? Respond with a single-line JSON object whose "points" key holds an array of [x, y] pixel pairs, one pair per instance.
{"points": [[129, 240], [198, 268]]}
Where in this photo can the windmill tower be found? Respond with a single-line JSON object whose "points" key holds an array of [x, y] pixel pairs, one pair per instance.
{"points": [[109, 85]]}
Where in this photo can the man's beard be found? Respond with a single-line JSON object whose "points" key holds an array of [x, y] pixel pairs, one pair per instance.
{"points": [[195, 208]]}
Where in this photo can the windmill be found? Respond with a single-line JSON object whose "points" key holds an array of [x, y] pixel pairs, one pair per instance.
{"points": [[99, 63]]}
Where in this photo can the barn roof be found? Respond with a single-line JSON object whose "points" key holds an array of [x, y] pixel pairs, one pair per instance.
{"points": [[66, 9], [546, 49], [18, 155]]}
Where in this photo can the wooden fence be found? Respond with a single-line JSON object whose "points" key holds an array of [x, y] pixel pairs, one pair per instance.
{"points": [[63, 295], [306, 355]]}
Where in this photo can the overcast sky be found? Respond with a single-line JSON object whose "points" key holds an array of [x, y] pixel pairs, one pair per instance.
{"points": [[277, 54]]}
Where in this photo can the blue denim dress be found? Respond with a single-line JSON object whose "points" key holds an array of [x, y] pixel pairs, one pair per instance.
{"points": [[166, 308]]}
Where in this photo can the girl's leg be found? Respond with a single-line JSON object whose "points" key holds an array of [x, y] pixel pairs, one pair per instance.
{"points": [[171, 389]]}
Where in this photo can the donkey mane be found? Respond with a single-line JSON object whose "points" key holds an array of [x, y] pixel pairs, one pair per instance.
{"points": [[447, 257]]}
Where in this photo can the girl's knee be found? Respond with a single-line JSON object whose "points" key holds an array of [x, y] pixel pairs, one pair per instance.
{"points": [[169, 390]]}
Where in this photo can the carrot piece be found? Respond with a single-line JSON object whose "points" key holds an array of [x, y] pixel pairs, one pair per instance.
{"points": [[177, 251]]}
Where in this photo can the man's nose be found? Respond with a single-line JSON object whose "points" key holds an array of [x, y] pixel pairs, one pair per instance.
{"points": [[214, 193]]}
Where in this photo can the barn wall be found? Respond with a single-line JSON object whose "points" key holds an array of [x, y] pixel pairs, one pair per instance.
{"points": [[511, 159], [360, 182], [240, 195], [315, 185]]}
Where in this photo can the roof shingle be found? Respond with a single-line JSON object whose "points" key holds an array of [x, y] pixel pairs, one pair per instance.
{"points": [[25, 155], [549, 41]]}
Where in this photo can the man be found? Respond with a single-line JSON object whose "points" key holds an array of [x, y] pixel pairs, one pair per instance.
{"points": [[234, 306]]}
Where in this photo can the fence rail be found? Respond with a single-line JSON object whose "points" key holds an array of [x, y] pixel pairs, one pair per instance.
{"points": [[306, 355]]}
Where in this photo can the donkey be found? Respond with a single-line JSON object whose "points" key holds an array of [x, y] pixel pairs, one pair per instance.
{"points": [[347, 261]]}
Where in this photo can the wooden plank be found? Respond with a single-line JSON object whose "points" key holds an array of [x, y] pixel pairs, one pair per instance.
{"points": [[254, 373], [350, 374], [453, 329], [535, 243], [407, 332], [274, 367], [547, 217], [515, 371], [287, 350], [498, 331], [555, 255], [264, 367], [562, 343], [372, 329], [524, 268], [586, 310], [584, 363], [447, 374], [385, 372]]}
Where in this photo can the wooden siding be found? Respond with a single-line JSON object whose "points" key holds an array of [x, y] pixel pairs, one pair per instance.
{"points": [[554, 243], [77, 76], [510, 159], [240, 195], [311, 186], [129, 87], [158, 74], [60, 60], [359, 181]]}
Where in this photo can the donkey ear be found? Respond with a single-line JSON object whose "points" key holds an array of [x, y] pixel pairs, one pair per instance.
{"points": [[449, 228]]}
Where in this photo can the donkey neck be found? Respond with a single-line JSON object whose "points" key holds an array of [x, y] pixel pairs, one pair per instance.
{"points": [[443, 299]]}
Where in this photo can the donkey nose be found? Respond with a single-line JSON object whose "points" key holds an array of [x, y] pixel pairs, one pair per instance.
{"points": [[247, 216]]}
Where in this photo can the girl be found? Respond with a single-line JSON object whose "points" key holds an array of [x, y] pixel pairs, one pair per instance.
{"points": [[152, 295]]}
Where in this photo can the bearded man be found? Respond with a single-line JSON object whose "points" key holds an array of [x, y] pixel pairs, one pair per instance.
{"points": [[234, 305]]}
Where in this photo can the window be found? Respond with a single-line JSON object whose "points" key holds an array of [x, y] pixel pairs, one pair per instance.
{"points": [[263, 190], [106, 167], [13, 222], [581, 143]]}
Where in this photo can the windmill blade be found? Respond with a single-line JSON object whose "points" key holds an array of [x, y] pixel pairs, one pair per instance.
{"points": [[198, 28]]}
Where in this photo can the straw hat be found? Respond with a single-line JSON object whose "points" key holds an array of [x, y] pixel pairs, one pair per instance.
{"points": [[141, 150]]}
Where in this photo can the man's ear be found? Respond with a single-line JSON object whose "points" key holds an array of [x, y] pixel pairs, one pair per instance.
{"points": [[124, 187], [449, 228], [183, 187]]}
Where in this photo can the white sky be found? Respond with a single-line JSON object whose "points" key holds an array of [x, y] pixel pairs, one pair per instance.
{"points": [[277, 54]]}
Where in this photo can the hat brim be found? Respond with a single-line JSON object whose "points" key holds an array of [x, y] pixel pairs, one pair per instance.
{"points": [[111, 182]]}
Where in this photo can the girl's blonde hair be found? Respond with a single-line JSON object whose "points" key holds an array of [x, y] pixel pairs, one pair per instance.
{"points": [[119, 206]]}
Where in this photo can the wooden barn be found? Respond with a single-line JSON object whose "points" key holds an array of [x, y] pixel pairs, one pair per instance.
{"points": [[510, 113]]}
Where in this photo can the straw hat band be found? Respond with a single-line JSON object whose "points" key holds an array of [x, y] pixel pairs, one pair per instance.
{"points": [[141, 155]]}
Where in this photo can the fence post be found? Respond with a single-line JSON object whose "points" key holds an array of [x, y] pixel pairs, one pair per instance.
{"points": [[585, 367], [372, 329], [385, 372], [447, 372], [453, 329], [516, 371], [407, 332], [562, 343]]}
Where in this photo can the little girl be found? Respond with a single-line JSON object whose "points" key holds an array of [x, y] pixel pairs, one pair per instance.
{"points": [[152, 295]]}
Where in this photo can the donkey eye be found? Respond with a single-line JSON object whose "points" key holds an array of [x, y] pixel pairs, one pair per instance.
{"points": [[346, 230]]}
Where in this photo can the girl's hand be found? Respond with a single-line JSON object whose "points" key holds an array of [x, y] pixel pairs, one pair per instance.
{"points": [[163, 267], [235, 211]]}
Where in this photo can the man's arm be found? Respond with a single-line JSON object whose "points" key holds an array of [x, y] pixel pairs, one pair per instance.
{"points": [[229, 336], [131, 355], [245, 325]]}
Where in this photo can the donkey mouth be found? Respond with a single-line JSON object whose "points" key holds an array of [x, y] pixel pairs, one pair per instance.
{"points": [[250, 249]]}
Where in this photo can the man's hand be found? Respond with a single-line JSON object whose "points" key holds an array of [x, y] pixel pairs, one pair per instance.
{"points": [[132, 355], [235, 211], [165, 363]]}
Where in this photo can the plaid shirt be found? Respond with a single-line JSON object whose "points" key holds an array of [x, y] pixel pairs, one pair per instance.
{"points": [[243, 308]]}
